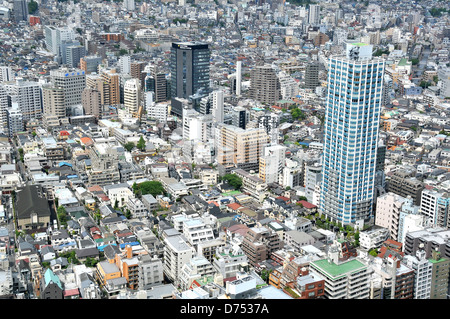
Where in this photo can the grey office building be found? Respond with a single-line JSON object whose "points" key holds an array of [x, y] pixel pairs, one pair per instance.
{"points": [[189, 66], [312, 75], [20, 8]]}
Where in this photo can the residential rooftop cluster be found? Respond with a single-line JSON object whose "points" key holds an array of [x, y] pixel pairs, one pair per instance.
{"points": [[226, 149]]}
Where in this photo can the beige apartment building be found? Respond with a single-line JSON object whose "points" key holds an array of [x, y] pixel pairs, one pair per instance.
{"points": [[53, 101], [239, 147]]}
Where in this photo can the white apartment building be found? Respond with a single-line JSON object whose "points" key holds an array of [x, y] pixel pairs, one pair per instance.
{"points": [[313, 177], [423, 273], [3, 110], [132, 96], [196, 126], [136, 207], [387, 215], [27, 96], [373, 238], [196, 231], [271, 163], [195, 269], [229, 259], [54, 36], [209, 176], [150, 271], [252, 184], [176, 253], [121, 195], [72, 81], [14, 121], [6, 74], [410, 219], [125, 64], [434, 205], [158, 111], [291, 174], [217, 108], [343, 280]]}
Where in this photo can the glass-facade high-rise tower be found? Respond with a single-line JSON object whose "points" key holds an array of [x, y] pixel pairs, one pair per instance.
{"points": [[353, 105], [189, 67]]}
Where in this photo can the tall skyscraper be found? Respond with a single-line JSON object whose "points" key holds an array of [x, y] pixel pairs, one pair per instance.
{"points": [[240, 117], [132, 96], [20, 8], [6, 74], [238, 77], [3, 110], [111, 87], [155, 82], [27, 95], [72, 81], [217, 106], [53, 101], [314, 14], [264, 84], [312, 75], [353, 105], [91, 99], [55, 36], [189, 67]]}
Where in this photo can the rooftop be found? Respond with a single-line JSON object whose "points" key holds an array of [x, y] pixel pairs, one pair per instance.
{"points": [[334, 270]]}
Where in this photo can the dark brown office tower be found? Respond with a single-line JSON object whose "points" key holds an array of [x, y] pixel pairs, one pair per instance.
{"points": [[137, 71], [321, 39], [155, 81], [404, 285], [259, 243], [404, 184], [264, 85], [312, 75]]}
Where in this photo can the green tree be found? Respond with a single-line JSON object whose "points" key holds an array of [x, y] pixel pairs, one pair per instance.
{"points": [[45, 264], [150, 187], [141, 144], [71, 257], [233, 180], [297, 114], [424, 84], [20, 150], [91, 262], [62, 215], [32, 7], [357, 238], [415, 61], [373, 252], [129, 146]]}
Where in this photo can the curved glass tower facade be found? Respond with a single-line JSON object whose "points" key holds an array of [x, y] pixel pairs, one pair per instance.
{"points": [[352, 115]]}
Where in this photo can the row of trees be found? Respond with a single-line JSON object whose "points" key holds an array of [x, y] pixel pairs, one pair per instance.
{"points": [[233, 180], [129, 146], [150, 187], [297, 114]]}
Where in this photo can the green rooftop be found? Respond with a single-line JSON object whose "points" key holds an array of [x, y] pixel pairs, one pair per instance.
{"points": [[360, 44], [433, 261], [333, 270], [402, 62], [231, 193]]}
